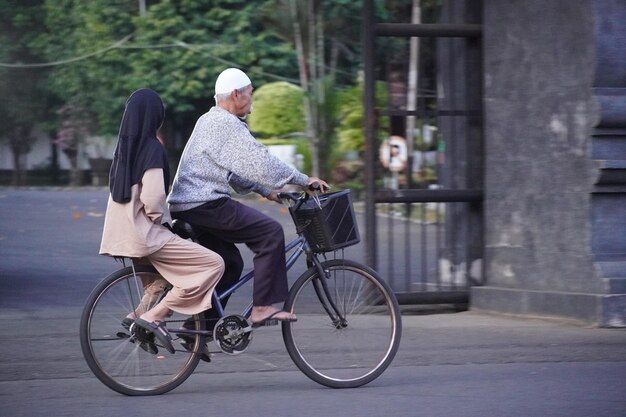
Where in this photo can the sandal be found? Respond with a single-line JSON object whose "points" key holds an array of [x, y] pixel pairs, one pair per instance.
{"points": [[146, 341], [159, 331], [127, 322], [272, 320]]}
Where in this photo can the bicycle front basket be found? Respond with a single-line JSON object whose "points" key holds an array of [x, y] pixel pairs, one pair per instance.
{"points": [[329, 226]]}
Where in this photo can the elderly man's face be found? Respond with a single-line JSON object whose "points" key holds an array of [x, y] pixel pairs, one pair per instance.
{"points": [[243, 102]]}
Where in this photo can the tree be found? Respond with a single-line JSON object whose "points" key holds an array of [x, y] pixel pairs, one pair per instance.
{"points": [[316, 28], [177, 48], [96, 84], [204, 38], [22, 107], [86, 70], [98, 52]]}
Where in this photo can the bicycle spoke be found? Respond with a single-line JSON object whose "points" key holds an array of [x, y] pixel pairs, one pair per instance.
{"points": [[121, 360]]}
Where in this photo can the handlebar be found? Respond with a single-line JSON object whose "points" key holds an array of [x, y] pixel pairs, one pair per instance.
{"points": [[296, 196], [315, 186], [293, 196]]}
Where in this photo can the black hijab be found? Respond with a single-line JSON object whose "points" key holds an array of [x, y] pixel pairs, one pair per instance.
{"points": [[138, 148]]}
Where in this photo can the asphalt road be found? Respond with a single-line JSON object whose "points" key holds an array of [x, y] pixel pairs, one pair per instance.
{"points": [[449, 364]]}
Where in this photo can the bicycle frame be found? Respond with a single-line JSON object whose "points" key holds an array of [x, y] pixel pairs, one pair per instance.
{"points": [[299, 243], [321, 288]]}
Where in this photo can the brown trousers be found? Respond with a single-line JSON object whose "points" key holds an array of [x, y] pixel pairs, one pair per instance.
{"points": [[229, 222]]}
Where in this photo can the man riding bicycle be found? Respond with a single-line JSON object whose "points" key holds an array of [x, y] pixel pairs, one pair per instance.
{"points": [[220, 154]]}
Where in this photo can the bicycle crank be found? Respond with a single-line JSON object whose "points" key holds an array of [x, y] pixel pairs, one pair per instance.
{"points": [[233, 334]]}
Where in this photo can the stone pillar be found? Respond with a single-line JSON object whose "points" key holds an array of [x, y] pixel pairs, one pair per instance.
{"points": [[608, 200], [555, 213]]}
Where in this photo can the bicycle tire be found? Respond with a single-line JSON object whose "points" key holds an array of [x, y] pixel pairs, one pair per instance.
{"points": [[111, 354], [340, 356]]}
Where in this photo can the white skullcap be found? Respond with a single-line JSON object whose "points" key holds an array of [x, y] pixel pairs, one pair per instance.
{"points": [[231, 79]]}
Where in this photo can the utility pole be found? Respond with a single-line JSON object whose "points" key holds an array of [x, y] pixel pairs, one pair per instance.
{"points": [[142, 8]]}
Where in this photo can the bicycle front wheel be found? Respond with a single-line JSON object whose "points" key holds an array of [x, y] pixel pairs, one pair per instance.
{"points": [[349, 324], [122, 362]]}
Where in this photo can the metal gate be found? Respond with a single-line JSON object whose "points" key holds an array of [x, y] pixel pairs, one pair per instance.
{"points": [[423, 213]]}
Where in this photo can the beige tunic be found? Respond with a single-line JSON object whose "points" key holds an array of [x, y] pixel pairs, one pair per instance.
{"points": [[135, 230]]}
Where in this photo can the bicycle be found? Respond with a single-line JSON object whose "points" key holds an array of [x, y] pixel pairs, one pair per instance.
{"points": [[340, 304]]}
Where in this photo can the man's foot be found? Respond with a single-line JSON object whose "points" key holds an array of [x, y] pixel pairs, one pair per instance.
{"points": [[269, 316], [205, 355], [188, 341]]}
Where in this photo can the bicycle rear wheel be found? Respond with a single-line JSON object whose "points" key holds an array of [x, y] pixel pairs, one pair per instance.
{"points": [[357, 341], [125, 364]]}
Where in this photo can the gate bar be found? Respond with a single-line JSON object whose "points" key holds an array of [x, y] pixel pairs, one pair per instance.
{"points": [[430, 113], [428, 196], [428, 30], [370, 121]]}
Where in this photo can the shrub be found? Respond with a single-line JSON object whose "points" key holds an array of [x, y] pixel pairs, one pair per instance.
{"points": [[278, 110]]}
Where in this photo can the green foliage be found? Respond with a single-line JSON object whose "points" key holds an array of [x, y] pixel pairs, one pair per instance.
{"points": [[76, 28], [178, 48], [342, 30], [278, 110], [350, 129], [205, 37], [22, 107]]}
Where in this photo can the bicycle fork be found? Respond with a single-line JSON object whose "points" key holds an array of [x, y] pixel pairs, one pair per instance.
{"points": [[323, 294]]}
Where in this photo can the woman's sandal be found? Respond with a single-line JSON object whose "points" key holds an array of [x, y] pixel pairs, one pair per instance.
{"points": [[127, 322], [159, 331], [272, 320]]}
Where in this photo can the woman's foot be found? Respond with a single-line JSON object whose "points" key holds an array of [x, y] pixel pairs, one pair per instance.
{"points": [[158, 329], [153, 321], [268, 315], [156, 314]]}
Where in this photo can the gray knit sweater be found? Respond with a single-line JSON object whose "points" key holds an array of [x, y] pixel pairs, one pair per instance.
{"points": [[221, 153]]}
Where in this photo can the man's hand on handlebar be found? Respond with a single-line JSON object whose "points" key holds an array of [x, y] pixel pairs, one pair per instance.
{"points": [[316, 184], [273, 196]]}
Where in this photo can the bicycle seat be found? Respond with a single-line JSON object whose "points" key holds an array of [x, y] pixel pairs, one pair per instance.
{"points": [[184, 230]]}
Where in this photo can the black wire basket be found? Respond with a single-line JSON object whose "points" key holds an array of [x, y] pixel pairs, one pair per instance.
{"points": [[327, 222]]}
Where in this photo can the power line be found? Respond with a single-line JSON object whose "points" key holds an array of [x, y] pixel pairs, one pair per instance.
{"points": [[120, 45], [233, 64], [70, 60]]}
